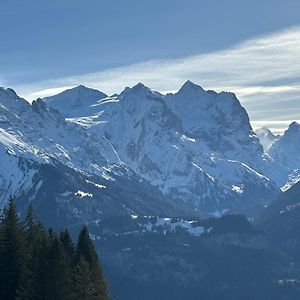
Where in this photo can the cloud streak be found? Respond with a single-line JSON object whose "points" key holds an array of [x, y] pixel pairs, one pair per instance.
{"points": [[264, 72]]}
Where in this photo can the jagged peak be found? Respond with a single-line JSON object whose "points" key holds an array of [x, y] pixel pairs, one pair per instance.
{"points": [[139, 89], [190, 90], [40, 107], [294, 128], [141, 85], [8, 91], [81, 86], [190, 86], [10, 99], [264, 130], [78, 91], [38, 103], [294, 125], [265, 136]]}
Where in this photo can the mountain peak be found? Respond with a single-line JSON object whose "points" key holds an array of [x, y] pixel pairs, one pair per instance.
{"points": [[264, 130], [80, 88], [190, 86], [80, 91], [75, 100], [10, 99], [8, 92], [285, 150], [265, 136], [83, 90], [139, 89], [141, 86], [293, 130], [294, 126]]}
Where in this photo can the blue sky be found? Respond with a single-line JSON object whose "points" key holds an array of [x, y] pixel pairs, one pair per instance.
{"points": [[248, 47]]}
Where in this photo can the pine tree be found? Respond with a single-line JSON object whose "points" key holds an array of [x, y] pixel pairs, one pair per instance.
{"points": [[43, 270], [47, 272], [37, 264], [68, 245], [11, 253], [34, 241], [85, 252], [59, 280], [83, 285]]}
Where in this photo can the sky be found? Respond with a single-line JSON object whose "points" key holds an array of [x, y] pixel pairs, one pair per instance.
{"points": [[251, 48]]}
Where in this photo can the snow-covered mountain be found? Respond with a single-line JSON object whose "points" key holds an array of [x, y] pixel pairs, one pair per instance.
{"points": [[216, 121], [139, 169], [285, 151], [64, 169], [79, 101], [266, 137], [196, 146]]}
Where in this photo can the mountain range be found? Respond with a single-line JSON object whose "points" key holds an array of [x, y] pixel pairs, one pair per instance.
{"points": [[140, 163], [195, 147]]}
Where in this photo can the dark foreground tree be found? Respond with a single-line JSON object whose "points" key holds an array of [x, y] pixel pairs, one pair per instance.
{"points": [[34, 241], [36, 264], [68, 245], [11, 253], [88, 275], [59, 284]]}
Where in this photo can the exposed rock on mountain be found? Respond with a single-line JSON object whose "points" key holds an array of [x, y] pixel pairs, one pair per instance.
{"points": [[196, 146], [59, 165]]}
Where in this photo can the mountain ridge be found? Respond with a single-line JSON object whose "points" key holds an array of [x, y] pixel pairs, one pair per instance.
{"points": [[195, 146], [151, 116]]}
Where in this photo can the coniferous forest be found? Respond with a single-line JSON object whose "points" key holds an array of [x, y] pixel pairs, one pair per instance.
{"points": [[36, 263]]}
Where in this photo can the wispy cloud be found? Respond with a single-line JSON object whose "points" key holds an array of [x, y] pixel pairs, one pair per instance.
{"points": [[48, 92], [264, 72]]}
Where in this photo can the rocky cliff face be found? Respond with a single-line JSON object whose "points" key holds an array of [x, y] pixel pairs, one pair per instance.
{"points": [[196, 146], [64, 170], [284, 152]]}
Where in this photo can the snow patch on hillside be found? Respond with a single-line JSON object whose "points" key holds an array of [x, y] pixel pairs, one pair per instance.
{"points": [[82, 194]]}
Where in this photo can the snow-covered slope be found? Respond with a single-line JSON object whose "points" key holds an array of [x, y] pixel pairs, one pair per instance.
{"points": [[40, 133], [194, 145], [285, 151], [35, 138], [266, 137], [216, 121], [78, 101]]}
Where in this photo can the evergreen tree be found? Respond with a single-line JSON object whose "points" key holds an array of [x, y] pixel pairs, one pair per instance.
{"points": [[43, 270], [39, 265], [59, 267], [83, 285], [11, 253], [68, 245], [86, 254], [35, 236]]}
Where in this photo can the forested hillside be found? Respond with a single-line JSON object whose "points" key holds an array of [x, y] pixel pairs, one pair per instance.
{"points": [[36, 263]]}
